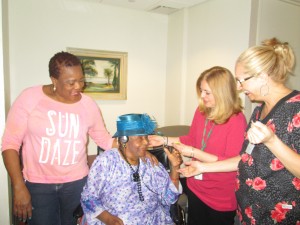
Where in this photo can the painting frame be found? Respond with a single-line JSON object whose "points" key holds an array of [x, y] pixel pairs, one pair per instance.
{"points": [[99, 65]]}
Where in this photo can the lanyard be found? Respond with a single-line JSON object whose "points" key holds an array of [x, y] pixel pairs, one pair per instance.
{"points": [[204, 142]]}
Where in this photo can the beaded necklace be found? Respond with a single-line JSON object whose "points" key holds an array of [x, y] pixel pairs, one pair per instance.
{"points": [[204, 142], [135, 176]]}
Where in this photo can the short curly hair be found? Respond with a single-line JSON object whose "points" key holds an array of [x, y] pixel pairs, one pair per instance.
{"points": [[62, 59]]}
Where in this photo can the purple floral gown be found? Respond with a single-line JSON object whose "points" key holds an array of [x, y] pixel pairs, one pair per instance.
{"points": [[110, 187]]}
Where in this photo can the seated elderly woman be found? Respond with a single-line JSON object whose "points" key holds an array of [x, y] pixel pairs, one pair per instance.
{"points": [[123, 187]]}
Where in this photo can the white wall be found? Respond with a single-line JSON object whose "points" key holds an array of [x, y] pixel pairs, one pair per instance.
{"points": [[176, 68], [204, 36], [282, 20], [4, 187], [38, 29]]}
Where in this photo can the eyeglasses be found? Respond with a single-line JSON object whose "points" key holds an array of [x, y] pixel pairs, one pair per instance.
{"points": [[243, 80]]}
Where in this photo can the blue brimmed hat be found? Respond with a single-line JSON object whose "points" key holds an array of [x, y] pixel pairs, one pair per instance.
{"points": [[134, 125]]}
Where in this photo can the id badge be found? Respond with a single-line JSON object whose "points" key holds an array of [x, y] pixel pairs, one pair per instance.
{"points": [[250, 148], [199, 176]]}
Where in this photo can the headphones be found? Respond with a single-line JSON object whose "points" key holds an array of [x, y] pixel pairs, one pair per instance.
{"points": [[124, 139]]}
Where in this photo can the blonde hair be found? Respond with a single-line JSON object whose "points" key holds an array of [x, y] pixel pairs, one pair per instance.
{"points": [[271, 57], [224, 90]]}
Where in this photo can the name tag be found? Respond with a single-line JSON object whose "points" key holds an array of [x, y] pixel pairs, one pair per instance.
{"points": [[199, 177], [286, 206], [250, 148]]}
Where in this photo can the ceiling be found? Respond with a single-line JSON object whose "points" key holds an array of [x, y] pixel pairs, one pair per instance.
{"points": [[293, 2], [155, 6], [161, 6]]}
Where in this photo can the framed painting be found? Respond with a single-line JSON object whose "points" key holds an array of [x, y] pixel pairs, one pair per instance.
{"points": [[105, 73]]}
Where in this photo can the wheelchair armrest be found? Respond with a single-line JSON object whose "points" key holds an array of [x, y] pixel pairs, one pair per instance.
{"points": [[177, 214], [78, 212]]}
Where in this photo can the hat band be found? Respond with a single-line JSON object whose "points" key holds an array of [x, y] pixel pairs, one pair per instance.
{"points": [[138, 132]]}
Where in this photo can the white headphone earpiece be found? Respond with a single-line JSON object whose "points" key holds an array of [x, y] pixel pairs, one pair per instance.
{"points": [[123, 139]]}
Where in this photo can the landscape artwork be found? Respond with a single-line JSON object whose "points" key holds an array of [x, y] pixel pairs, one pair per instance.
{"points": [[105, 73]]}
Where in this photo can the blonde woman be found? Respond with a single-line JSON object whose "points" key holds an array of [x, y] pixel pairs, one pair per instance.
{"points": [[216, 133]]}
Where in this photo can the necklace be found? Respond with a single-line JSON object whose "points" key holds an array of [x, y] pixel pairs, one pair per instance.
{"points": [[203, 141], [135, 176]]}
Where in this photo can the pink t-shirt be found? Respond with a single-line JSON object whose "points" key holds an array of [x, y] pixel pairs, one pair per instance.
{"points": [[53, 135], [217, 190]]}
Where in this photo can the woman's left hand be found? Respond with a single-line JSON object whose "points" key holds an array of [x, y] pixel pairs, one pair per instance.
{"points": [[259, 133], [192, 168], [174, 157]]}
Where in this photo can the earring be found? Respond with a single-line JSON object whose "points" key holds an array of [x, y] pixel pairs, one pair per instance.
{"points": [[264, 90], [54, 88]]}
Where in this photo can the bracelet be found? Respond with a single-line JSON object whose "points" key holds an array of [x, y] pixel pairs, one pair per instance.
{"points": [[192, 153], [165, 140], [174, 180]]}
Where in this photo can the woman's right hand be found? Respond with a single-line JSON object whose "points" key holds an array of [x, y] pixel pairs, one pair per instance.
{"points": [[174, 157], [109, 219], [22, 203], [192, 168], [114, 220]]}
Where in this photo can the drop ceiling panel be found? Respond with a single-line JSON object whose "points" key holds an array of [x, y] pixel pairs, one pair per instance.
{"points": [[165, 6]]}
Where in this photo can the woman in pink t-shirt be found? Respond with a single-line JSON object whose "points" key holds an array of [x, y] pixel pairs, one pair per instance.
{"points": [[52, 124], [216, 133]]}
